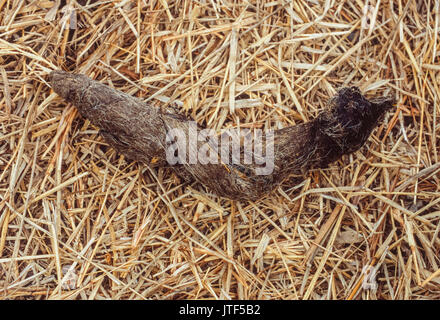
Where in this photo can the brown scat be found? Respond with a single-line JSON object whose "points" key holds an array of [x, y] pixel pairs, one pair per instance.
{"points": [[128, 124], [138, 130]]}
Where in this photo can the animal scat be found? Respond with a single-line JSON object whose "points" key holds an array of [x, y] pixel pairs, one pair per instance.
{"points": [[138, 131]]}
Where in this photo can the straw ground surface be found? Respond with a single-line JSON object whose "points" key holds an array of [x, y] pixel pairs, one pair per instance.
{"points": [[78, 221]]}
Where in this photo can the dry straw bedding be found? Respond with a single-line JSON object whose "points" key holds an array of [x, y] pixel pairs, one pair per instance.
{"points": [[79, 221]]}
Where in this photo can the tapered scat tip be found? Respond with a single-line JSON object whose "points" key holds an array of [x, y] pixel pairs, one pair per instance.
{"points": [[65, 83], [386, 103]]}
